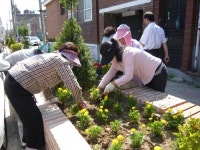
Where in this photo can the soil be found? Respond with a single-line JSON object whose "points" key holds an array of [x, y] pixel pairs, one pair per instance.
{"points": [[105, 139]]}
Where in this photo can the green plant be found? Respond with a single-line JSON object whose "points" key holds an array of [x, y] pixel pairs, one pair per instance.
{"points": [[131, 101], [156, 128], [94, 131], [117, 108], [148, 109], [102, 113], [71, 31], [84, 119], [136, 137], [94, 93], [107, 101], [73, 109], [115, 126], [171, 76], [188, 135], [173, 119], [134, 115], [63, 94], [105, 68], [117, 143], [16, 46]]}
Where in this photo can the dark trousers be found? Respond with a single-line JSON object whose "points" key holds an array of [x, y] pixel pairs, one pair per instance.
{"points": [[159, 81], [155, 52], [28, 112]]}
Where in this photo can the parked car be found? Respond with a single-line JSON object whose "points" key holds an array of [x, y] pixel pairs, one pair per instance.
{"points": [[34, 40]]}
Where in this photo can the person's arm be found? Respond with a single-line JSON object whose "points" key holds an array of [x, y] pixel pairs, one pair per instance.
{"points": [[70, 81], [47, 94], [166, 58], [107, 77]]}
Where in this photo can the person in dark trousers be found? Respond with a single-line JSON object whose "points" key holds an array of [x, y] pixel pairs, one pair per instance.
{"points": [[37, 74], [153, 38], [136, 64]]}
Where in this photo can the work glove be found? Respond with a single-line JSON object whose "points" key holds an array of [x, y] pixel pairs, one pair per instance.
{"points": [[109, 88]]}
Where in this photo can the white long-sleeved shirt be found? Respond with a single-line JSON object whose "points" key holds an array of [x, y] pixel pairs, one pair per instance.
{"points": [[19, 55]]}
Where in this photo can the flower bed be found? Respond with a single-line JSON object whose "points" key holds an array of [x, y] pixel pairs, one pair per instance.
{"points": [[116, 122]]}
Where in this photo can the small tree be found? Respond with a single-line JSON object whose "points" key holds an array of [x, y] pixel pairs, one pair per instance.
{"points": [[23, 31], [71, 31]]}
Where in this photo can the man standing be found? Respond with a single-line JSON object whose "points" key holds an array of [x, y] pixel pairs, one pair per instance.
{"points": [[153, 37]]}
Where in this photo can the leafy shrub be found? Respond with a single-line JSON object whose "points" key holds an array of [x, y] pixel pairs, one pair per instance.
{"points": [[188, 136], [15, 47]]}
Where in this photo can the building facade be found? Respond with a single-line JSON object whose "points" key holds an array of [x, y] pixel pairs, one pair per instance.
{"points": [[179, 19]]}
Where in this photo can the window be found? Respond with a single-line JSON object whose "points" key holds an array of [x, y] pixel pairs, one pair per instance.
{"points": [[84, 10]]}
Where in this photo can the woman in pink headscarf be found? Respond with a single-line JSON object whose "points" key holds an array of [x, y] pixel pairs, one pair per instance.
{"points": [[123, 35]]}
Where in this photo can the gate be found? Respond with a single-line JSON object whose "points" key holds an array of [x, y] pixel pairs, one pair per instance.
{"points": [[174, 18]]}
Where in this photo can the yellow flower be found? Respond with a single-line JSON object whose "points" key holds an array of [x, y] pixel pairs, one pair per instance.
{"points": [[65, 91], [100, 110], [147, 102], [83, 110], [86, 113], [143, 125], [174, 116], [120, 137], [131, 96], [59, 89], [115, 142], [133, 130], [157, 148], [106, 98], [133, 108], [106, 110], [87, 131], [101, 107], [148, 106], [163, 121], [169, 110], [150, 119]]}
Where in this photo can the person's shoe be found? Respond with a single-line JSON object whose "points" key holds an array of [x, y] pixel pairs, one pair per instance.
{"points": [[23, 145]]}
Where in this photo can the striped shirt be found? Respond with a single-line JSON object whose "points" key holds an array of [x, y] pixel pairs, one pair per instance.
{"points": [[42, 72]]}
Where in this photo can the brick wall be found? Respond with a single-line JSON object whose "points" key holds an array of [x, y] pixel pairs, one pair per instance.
{"points": [[53, 12], [189, 34]]}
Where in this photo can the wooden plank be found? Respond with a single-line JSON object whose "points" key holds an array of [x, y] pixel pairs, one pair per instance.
{"points": [[183, 107], [191, 111], [169, 102]]}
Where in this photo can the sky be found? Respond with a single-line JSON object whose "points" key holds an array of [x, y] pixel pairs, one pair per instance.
{"points": [[5, 9]]}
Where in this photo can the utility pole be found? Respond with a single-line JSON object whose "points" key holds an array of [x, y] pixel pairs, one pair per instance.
{"points": [[13, 18], [42, 22]]}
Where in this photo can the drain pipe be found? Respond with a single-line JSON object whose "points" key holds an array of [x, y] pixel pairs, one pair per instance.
{"points": [[197, 43]]}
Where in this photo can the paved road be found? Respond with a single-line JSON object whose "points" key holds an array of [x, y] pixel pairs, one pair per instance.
{"points": [[184, 90]]}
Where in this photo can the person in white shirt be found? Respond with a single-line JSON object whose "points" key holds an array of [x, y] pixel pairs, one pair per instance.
{"points": [[20, 55], [153, 38]]}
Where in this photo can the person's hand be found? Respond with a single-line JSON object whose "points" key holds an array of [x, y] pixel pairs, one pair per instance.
{"points": [[109, 88], [166, 59], [82, 105]]}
